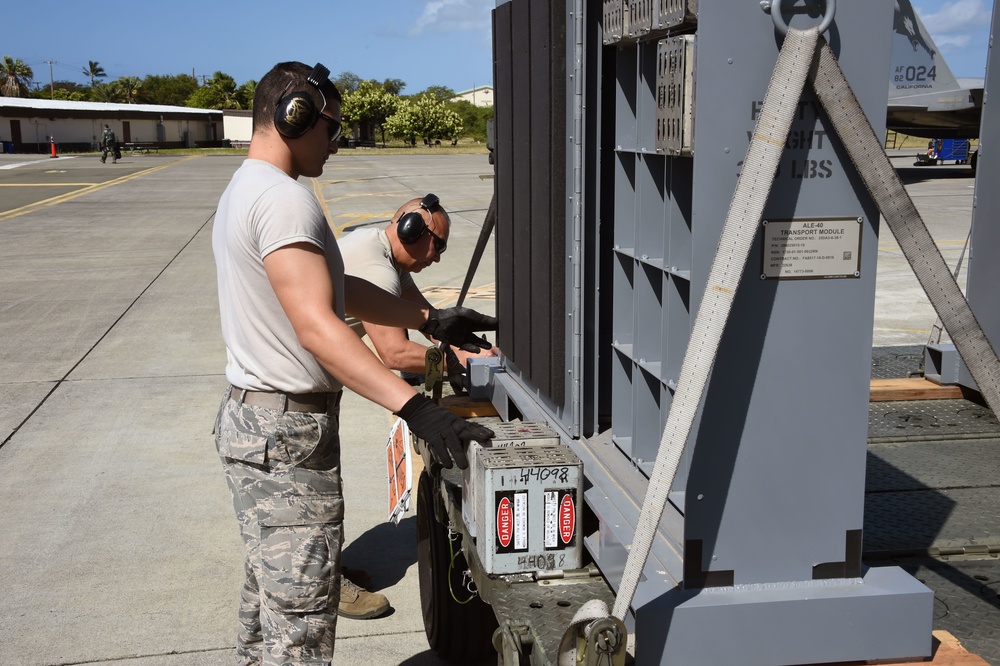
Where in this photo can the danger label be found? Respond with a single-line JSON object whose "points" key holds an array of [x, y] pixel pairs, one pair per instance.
{"points": [[560, 518], [512, 522]]}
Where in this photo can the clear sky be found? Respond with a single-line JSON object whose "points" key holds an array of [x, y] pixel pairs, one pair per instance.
{"points": [[423, 42]]}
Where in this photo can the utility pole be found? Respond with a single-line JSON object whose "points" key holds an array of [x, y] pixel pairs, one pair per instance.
{"points": [[52, 89]]}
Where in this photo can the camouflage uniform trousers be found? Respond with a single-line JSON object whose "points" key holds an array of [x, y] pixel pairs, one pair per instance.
{"points": [[283, 469]]}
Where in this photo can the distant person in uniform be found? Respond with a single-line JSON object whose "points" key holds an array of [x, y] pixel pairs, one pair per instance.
{"points": [[109, 144]]}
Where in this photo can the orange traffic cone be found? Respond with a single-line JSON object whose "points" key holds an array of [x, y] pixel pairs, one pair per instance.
{"points": [[53, 140]]}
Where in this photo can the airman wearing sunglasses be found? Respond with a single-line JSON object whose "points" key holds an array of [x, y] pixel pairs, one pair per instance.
{"points": [[283, 297], [380, 256]]}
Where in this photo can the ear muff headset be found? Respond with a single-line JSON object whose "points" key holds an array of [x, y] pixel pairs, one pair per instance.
{"points": [[296, 112], [411, 226]]}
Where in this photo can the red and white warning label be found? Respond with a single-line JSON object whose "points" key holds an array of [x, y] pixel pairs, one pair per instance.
{"points": [[512, 522], [560, 518]]}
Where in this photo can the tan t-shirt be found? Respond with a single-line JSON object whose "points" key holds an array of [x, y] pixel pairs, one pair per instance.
{"points": [[262, 210], [367, 254]]}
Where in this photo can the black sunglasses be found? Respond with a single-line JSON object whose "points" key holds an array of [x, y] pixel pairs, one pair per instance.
{"points": [[335, 128], [440, 244]]}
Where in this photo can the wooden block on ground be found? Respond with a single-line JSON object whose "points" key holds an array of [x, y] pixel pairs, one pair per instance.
{"points": [[466, 407], [915, 388], [946, 651]]}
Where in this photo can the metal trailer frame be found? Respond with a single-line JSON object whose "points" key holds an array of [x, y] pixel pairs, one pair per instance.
{"points": [[613, 177]]}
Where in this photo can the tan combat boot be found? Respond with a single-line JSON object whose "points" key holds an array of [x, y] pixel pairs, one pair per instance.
{"points": [[357, 603]]}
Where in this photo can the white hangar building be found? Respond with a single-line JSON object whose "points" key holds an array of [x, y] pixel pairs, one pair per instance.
{"points": [[28, 125]]}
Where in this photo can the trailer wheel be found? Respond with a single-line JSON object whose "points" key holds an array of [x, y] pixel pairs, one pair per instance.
{"points": [[457, 632]]}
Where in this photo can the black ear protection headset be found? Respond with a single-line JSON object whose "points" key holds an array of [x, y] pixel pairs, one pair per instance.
{"points": [[296, 112], [411, 226]]}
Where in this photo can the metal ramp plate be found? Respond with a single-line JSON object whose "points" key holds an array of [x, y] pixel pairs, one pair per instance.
{"points": [[547, 608], [915, 420], [966, 602], [932, 503]]}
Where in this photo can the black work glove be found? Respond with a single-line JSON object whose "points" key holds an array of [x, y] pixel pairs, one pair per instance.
{"points": [[447, 436], [456, 373], [455, 326]]}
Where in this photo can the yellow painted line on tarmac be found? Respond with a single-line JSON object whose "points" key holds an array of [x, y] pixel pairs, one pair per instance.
{"points": [[69, 196], [377, 195], [48, 184], [354, 218], [904, 330], [440, 296], [318, 193], [357, 219]]}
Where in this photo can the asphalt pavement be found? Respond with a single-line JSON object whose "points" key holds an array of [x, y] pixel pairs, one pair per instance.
{"points": [[119, 543]]}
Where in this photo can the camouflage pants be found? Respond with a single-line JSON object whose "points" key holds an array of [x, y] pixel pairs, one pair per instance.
{"points": [[283, 470]]}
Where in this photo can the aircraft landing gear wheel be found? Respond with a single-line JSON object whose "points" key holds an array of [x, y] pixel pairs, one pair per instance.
{"points": [[459, 626]]}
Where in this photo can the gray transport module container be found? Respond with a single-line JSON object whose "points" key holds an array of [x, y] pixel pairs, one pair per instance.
{"points": [[620, 131]]}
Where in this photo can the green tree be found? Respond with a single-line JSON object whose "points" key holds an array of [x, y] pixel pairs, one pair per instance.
{"points": [[368, 107], [64, 90], [70, 95], [473, 117], [425, 117], [94, 71], [219, 92], [440, 93], [128, 88], [394, 86], [245, 94], [15, 77], [107, 92], [347, 82], [168, 90]]}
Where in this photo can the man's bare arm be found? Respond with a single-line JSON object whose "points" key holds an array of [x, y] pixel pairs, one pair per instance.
{"points": [[369, 303], [299, 275]]}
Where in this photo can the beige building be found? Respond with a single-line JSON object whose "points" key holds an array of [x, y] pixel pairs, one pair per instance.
{"points": [[481, 96], [237, 126]]}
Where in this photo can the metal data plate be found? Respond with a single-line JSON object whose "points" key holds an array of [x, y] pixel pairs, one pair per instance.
{"points": [[527, 508], [811, 248]]}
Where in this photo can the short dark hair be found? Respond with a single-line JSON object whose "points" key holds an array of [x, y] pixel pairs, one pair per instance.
{"points": [[285, 78]]}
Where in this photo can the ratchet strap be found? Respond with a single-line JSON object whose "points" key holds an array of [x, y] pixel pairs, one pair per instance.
{"points": [[477, 254], [865, 150], [798, 60]]}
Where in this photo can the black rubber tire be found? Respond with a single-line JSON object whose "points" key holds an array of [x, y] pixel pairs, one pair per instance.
{"points": [[459, 633]]}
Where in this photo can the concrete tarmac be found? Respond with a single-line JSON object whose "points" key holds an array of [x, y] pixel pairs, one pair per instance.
{"points": [[119, 542]]}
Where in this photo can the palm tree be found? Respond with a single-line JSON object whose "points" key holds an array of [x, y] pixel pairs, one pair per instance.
{"points": [[106, 92], [223, 88], [246, 92], [94, 71], [130, 87], [15, 77]]}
